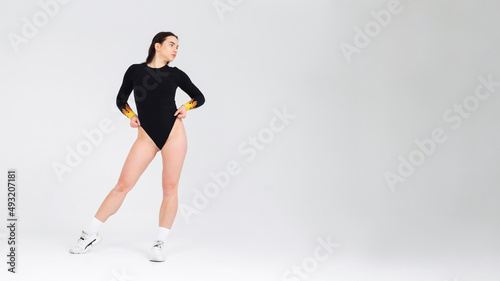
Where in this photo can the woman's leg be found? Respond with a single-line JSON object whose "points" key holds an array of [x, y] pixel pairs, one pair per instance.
{"points": [[141, 154], [173, 154]]}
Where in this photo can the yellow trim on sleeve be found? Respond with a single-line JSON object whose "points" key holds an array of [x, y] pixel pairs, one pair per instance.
{"points": [[128, 111], [190, 104]]}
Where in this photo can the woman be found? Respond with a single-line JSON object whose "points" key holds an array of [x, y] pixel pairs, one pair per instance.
{"points": [[160, 128]]}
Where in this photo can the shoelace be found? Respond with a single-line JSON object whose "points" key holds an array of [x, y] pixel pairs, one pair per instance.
{"points": [[84, 235], [158, 245], [82, 239]]}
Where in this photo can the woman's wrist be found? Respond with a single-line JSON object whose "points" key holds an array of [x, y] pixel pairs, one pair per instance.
{"points": [[190, 105]]}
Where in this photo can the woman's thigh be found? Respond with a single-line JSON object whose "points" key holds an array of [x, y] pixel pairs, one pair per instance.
{"points": [[173, 154], [141, 154]]}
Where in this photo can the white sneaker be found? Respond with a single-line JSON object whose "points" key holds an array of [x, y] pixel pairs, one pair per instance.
{"points": [[155, 253], [85, 242]]}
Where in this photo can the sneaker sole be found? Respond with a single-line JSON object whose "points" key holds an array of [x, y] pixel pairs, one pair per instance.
{"points": [[157, 260]]}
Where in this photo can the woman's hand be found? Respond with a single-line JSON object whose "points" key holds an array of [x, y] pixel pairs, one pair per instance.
{"points": [[134, 122], [181, 111]]}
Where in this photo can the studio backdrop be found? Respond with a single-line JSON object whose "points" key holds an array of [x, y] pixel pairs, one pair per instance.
{"points": [[367, 128]]}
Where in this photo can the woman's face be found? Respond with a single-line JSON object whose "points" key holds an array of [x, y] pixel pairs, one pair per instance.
{"points": [[168, 49]]}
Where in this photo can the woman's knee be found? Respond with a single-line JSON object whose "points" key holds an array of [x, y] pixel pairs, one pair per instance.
{"points": [[122, 187], [169, 189]]}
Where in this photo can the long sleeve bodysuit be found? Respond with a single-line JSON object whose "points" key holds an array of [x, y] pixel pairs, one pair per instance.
{"points": [[154, 94]]}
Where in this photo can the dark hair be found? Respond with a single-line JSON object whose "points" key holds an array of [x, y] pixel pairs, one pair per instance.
{"points": [[159, 38]]}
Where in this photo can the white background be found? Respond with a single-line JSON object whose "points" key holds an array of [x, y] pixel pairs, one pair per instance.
{"points": [[321, 176]]}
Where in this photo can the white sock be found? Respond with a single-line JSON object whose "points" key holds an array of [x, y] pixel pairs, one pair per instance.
{"points": [[162, 234], [93, 226]]}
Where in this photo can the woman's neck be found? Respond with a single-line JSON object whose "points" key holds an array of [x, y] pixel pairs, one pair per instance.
{"points": [[157, 63]]}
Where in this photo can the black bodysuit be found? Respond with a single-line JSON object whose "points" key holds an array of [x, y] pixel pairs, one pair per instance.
{"points": [[154, 93]]}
